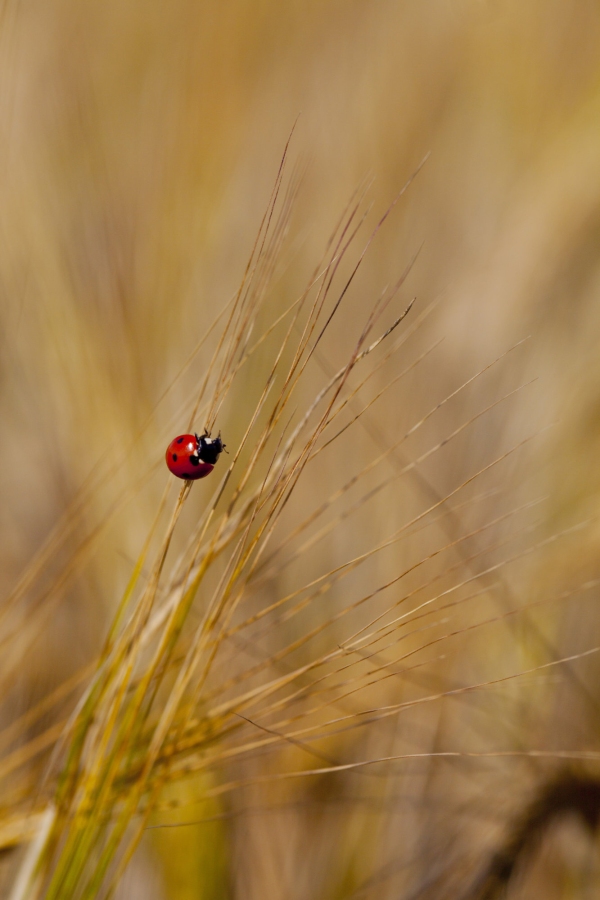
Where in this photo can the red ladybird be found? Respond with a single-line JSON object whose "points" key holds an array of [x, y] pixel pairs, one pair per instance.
{"points": [[191, 457]]}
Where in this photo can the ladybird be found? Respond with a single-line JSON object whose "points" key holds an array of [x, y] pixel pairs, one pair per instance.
{"points": [[193, 456]]}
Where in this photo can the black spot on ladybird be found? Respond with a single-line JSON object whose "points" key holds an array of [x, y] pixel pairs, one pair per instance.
{"points": [[180, 440], [174, 457]]}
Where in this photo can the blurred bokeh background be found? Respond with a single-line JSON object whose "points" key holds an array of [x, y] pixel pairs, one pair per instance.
{"points": [[138, 146]]}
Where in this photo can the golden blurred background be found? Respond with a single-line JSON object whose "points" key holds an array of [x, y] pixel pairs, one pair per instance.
{"points": [[138, 147]]}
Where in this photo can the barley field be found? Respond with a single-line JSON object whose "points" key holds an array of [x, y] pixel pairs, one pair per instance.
{"points": [[361, 242]]}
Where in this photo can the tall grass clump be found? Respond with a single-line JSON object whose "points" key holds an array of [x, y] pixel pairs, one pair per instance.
{"points": [[152, 712], [240, 659]]}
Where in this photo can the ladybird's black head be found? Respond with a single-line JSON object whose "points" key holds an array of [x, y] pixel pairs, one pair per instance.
{"points": [[209, 449]]}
